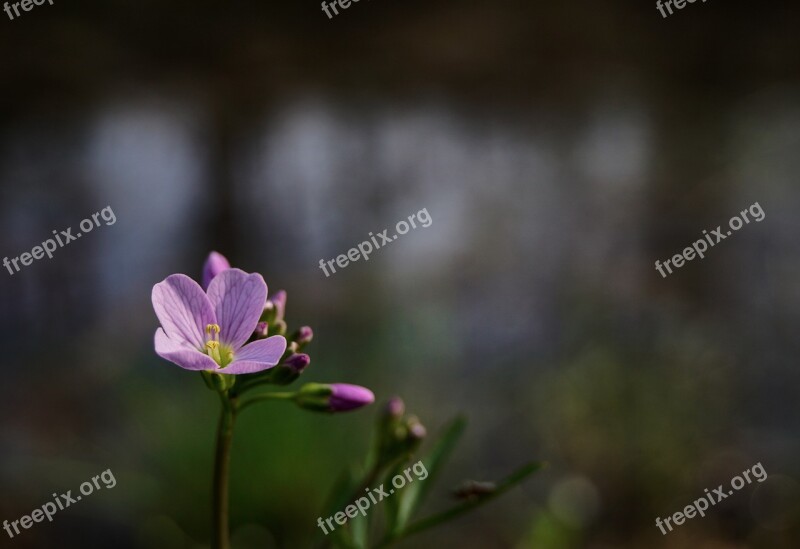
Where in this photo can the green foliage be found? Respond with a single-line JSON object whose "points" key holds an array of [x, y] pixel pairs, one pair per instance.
{"points": [[397, 440]]}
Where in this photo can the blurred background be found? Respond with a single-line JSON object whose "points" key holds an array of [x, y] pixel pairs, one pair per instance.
{"points": [[560, 149]]}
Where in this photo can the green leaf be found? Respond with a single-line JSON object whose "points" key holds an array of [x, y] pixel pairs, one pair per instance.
{"points": [[414, 494], [393, 504], [440, 518], [342, 488], [359, 527]]}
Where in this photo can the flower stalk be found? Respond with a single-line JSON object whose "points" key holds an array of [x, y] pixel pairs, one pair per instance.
{"points": [[264, 396], [222, 461]]}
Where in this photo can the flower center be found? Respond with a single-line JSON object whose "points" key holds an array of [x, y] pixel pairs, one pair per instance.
{"points": [[221, 354]]}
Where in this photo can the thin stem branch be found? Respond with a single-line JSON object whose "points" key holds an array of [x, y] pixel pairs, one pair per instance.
{"points": [[262, 397], [243, 386]]}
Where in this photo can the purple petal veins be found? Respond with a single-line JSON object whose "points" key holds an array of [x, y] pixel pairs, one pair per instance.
{"points": [[183, 309], [182, 354], [207, 331], [238, 299]]}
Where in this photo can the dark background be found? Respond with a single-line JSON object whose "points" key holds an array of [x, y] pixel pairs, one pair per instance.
{"points": [[560, 148]]}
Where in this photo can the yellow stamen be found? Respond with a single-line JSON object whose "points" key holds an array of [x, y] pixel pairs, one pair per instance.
{"points": [[213, 350], [212, 328]]}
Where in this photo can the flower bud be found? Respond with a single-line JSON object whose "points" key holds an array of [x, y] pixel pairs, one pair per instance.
{"points": [[416, 430], [398, 436], [395, 408], [349, 397], [389, 420], [279, 327], [215, 264], [416, 433], [289, 370], [262, 328], [279, 302], [303, 336], [336, 397], [297, 362], [274, 311]]}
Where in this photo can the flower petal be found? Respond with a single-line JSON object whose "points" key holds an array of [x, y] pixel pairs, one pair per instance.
{"points": [[183, 309], [257, 355], [238, 300], [182, 354], [215, 264]]}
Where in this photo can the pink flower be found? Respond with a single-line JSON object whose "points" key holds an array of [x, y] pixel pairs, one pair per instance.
{"points": [[208, 331]]}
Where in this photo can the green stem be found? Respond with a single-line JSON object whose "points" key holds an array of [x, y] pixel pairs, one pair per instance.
{"points": [[243, 386], [264, 396], [230, 408], [222, 462]]}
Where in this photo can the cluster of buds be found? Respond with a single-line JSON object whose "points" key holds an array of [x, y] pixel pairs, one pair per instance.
{"points": [[272, 322], [399, 435], [337, 397], [274, 311]]}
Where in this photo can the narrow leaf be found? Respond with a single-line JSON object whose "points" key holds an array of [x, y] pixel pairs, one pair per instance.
{"points": [[440, 518], [414, 494]]}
